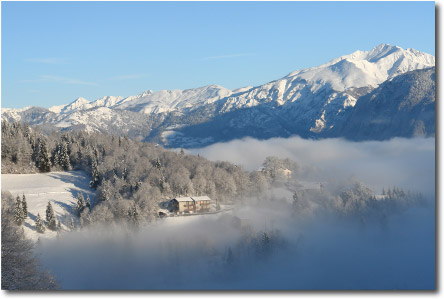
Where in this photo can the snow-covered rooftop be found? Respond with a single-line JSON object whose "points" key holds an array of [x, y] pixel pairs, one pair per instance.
{"points": [[201, 198], [183, 199], [193, 198]]}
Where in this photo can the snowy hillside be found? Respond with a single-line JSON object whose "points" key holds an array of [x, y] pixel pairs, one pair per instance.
{"points": [[308, 102], [60, 188], [405, 105]]}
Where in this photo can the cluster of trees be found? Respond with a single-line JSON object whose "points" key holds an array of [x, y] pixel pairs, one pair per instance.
{"points": [[20, 268], [252, 247], [354, 200], [21, 213], [24, 150], [130, 177], [81, 204], [360, 200], [128, 174]]}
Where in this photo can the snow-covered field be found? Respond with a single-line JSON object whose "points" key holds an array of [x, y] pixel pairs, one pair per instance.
{"points": [[60, 188]]}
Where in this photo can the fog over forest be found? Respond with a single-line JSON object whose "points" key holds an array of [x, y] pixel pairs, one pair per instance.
{"points": [[406, 163], [321, 252], [264, 242]]}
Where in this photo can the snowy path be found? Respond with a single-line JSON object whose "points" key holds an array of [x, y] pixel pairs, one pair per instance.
{"points": [[61, 188]]}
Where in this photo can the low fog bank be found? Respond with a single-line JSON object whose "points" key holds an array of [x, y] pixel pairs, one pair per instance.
{"points": [[405, 163], [337, 235], [261, 244]]}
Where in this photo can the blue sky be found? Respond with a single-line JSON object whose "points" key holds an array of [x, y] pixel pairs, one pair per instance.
{"points": [[54, 52]]}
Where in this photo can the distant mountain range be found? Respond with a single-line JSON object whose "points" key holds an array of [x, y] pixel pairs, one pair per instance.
{"points": [[368, 95]]}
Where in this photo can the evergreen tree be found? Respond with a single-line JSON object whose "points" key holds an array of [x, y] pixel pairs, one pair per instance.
{"points": [[56, 156], [18, 215], [25, 207], [264, 246], [88, 202], [64, 157], [265, 239], [50, 217], [95, 175], [59, 226], [43, 162], [230, 259], [80, 205], [133, 216], [39, 224], [158, 164], [27, 131]]}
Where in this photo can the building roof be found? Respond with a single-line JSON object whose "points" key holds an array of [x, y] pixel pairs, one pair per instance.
{"points": [[201, 198], [183, 199], [194, 198]]}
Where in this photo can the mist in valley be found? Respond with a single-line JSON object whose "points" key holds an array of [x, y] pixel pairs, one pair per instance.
{"points": [[339, 237], [402, 162], [229, 252]]}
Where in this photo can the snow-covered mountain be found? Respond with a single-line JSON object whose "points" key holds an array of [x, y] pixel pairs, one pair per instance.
{"points": [[163, 101], [308, 102], [403, 106]]}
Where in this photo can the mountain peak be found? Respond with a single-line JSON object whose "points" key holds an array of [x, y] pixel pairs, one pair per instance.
{"points": [[385, 46], [366, 68], [146, 93], [80, 100], [381, 51]]}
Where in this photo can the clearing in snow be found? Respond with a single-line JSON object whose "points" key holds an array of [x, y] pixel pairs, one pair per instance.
{"points": [[60, 188]]}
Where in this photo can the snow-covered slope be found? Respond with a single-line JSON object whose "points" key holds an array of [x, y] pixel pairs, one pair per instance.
{"points": [[327, 90], [60, 188], [78, 104], [83, 104], [14, 114], [366, 68], [150, 102], [107, 101], [403, 106], [174, 100], [306, 102]]}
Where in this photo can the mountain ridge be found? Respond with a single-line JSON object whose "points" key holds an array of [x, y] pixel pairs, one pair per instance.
{"points": [[310, 101]]}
